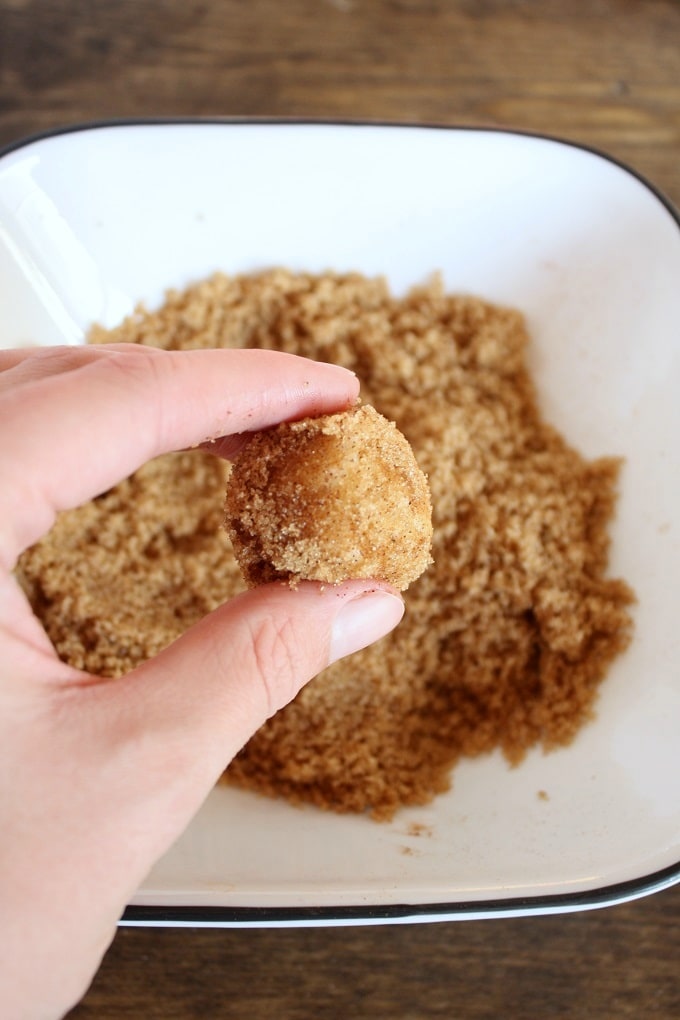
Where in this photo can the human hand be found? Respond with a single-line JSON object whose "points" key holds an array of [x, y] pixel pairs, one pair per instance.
{"points": [[98, 777]]}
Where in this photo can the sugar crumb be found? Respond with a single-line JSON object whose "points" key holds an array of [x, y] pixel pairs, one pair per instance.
{"points": [[418, 829]]}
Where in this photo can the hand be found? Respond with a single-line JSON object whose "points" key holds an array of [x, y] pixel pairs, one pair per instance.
{"points": [[98, 777]]}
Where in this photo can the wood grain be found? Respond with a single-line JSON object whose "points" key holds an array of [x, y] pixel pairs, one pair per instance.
{"points": [[605, 73], [601, 72]]}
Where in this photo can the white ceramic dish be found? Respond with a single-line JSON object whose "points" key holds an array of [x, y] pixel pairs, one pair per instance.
{"points": [[95, 219]]}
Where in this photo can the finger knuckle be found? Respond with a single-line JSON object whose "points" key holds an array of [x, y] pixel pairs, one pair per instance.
{"points": [[148, 372], [278, 660]]}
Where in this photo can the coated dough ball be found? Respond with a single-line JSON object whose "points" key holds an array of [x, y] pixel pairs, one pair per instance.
{"points": [[329, 499]]}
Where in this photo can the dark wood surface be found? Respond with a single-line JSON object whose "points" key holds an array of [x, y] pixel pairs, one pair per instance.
{"points": [[602, 72]]}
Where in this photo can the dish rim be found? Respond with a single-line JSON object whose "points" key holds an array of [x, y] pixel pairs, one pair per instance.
{"points": [[399, 913], [265, 121], [226, 916]]}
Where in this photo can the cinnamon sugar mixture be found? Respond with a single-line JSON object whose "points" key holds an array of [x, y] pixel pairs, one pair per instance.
{"points": [[506, 637]]}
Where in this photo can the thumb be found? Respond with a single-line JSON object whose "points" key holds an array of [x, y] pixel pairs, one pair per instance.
{"points": [[201, 699], [138, 755]]}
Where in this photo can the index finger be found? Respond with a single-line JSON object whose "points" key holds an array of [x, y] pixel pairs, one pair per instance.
{"points": [[68, 437]]}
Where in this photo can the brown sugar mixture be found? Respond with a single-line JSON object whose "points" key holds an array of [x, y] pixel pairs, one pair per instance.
{"points": [[506, 636]]}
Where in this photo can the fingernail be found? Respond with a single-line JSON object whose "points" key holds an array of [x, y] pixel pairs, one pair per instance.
{"points": [[363, 620], [338, 368]]}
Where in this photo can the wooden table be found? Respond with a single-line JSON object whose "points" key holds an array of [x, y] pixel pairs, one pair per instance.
{"points": [[602, 72]]}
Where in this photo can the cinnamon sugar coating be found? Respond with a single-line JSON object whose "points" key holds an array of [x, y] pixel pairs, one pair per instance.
{"points": [[328, 499]]}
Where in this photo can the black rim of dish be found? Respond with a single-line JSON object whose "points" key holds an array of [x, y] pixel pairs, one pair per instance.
{"points": [[605, 896], [208, 916]]}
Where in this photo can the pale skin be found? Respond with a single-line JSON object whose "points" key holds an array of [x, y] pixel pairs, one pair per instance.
{"points": [[99, 777]]}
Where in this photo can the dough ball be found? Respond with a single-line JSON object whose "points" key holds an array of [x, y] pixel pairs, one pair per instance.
{"points": [[329, 499]]}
